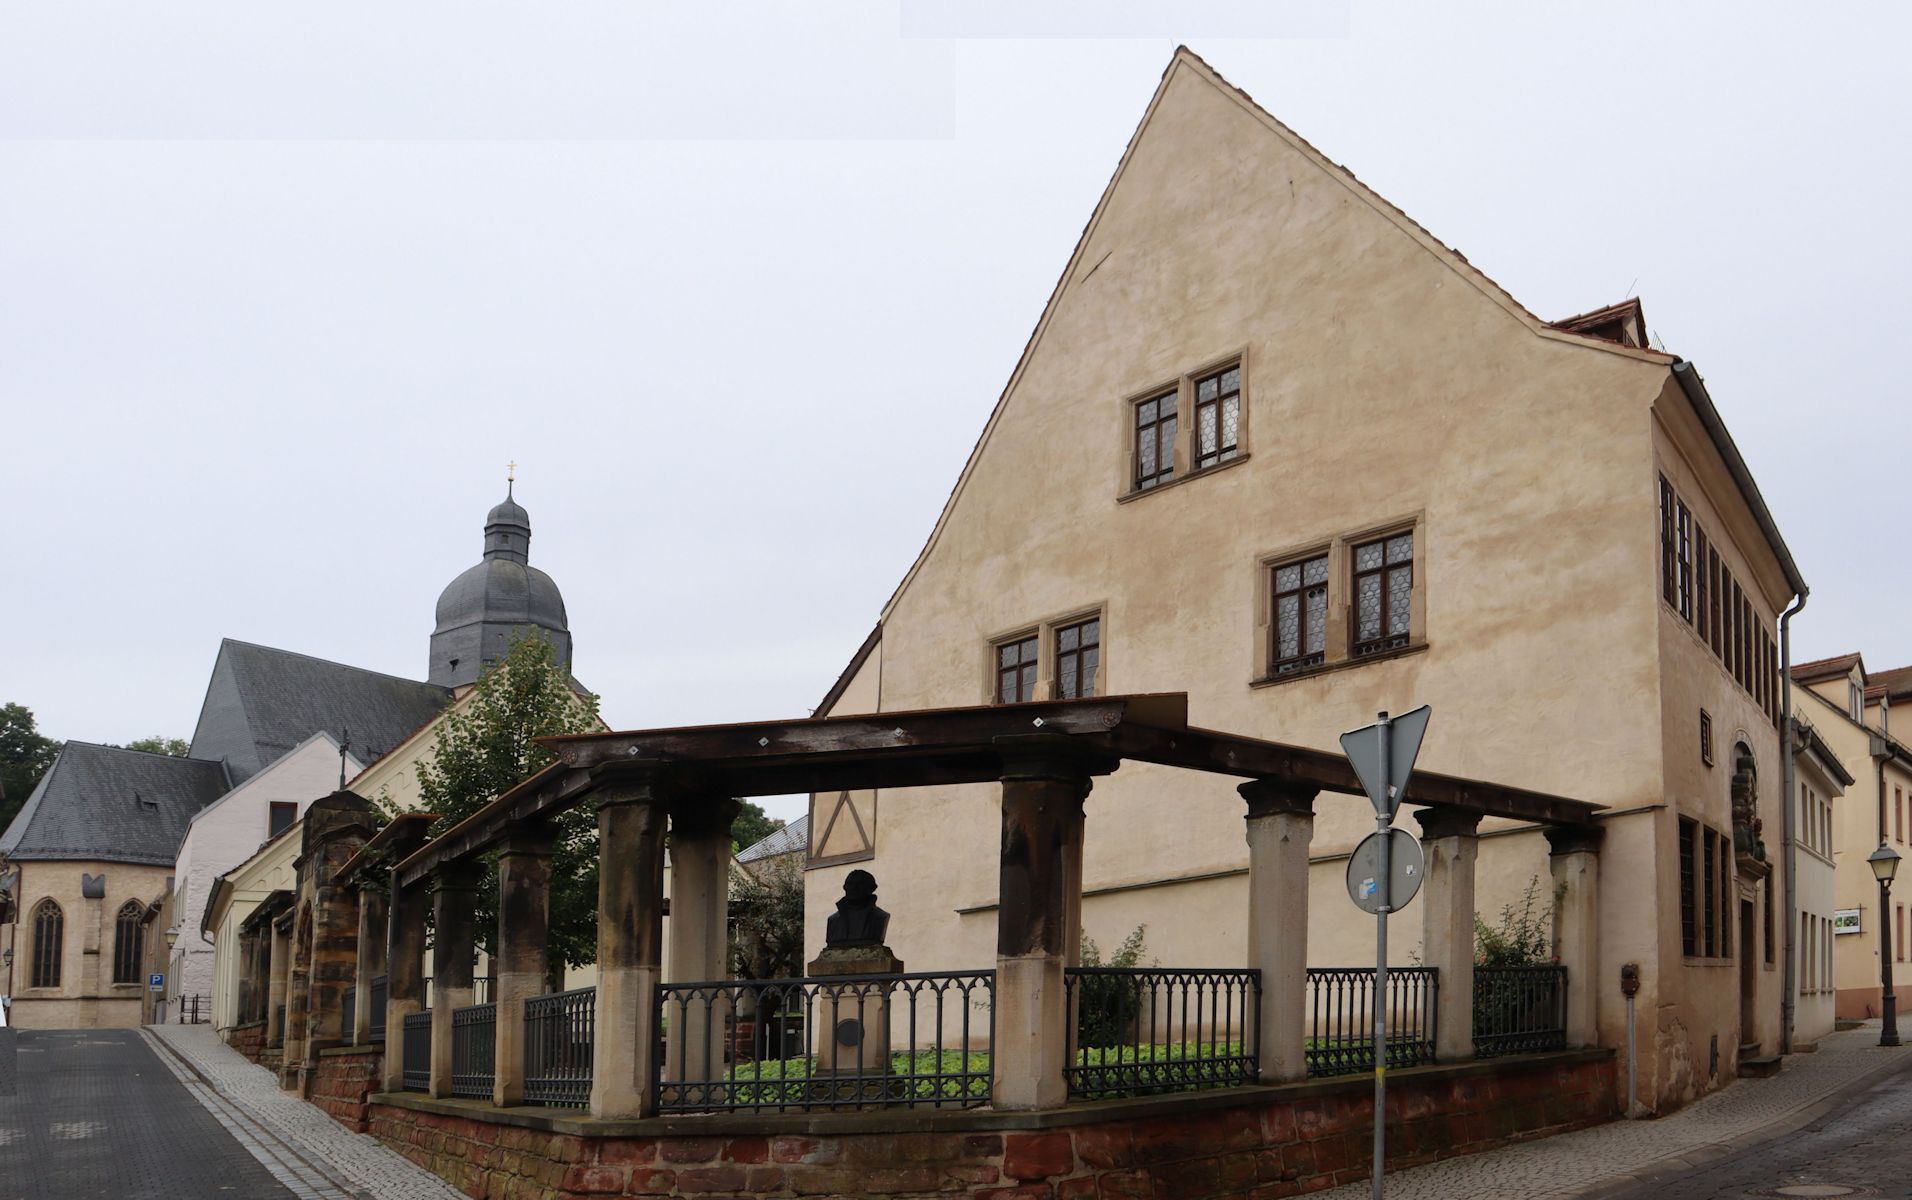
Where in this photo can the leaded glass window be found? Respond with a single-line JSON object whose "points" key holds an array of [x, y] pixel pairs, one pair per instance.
{"points": [[1217, 417], [1078, 658], [127, 943], [1383, 593], [1301, 613], [49, 927], [1016, 671], [1155, 441], [1667, 582], [1684, 529]]}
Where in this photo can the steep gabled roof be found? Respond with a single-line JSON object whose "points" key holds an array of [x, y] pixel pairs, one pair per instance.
{"points": [[1894, 682], [114, 805], [1185, 59], [262, 702], [1821, 669]]}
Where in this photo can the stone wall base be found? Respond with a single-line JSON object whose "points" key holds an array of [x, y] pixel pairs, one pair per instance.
{"points": [[343, 1082], [1252, 1144], [249, 1040]]}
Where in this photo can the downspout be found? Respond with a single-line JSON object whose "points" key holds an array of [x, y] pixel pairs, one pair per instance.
{"points": [[1788, 822]]}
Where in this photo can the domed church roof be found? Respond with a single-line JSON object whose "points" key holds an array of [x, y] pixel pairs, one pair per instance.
{"points": [[499, 599]]}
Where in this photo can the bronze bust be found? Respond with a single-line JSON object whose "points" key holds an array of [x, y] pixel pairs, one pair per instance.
{"points": [[857, 920]]}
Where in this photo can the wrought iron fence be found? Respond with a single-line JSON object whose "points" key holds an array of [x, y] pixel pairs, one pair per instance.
{"points": [[915, 1040], [416, 1047], [474, 1049], [1138, 1031], [1341, 1018], [1519, 1010], [193, 1010], [380, 994], [559, 1040], [348, 1014]]}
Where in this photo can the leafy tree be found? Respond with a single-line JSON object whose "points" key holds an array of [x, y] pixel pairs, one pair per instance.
{"points": [[1108, 1004], [25, 755], [752, 825], [177, 747], [766, 905], [1522, 936], [485, 747]]}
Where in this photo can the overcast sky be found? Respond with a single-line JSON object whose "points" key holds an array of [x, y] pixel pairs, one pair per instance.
{"points": [[283, 288]]}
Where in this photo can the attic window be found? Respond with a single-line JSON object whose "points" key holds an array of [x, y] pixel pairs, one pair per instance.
{"points": [[143, 802]]}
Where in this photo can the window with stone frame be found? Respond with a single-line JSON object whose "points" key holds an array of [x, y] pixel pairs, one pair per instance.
{"points": [[1706, 737], [1155, 423], [1689, 891], [49, 930], [1383, 593], [1669, 586], [280, 816], [1218, 417], [1078, 658], [1016, 669], [128, 942], [1300, 613], [1683, 532]]}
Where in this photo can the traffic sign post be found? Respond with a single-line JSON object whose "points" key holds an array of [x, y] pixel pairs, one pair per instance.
{"points": [[1382, 755]]}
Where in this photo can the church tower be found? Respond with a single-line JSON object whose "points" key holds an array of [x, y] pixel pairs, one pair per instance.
{"points": [[500, 598]]}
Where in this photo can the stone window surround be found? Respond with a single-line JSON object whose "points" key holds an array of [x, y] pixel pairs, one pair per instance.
{"points": [[1337, 653], [1183, 385], [1044, 631]]}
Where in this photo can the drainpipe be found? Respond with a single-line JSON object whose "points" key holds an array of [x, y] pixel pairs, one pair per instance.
{"points": [[1788, 823]]}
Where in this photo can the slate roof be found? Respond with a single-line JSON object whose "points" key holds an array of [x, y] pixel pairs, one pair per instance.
{"points": [[791, 838], [101, 802], [262, 702]]}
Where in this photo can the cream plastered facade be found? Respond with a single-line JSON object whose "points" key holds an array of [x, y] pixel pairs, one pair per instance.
{"points": [[1881, 768], [1387, 387], [225, 834], [87, 997], [270, 869], [1819, 806]]}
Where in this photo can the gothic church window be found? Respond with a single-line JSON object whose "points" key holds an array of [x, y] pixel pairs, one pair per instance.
{"points": [[128, 941], [49, 927]]}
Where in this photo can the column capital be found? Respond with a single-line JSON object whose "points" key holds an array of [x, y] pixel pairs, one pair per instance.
{"points": [[1274, 794], [458, 875], [1442, 821], [1574, 839], [1050, 756], [695, 813], [533, 836]]}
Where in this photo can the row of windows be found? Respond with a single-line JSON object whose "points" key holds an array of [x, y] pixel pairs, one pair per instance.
{"points": [[1815, 820], [1378, 602], [1703, 591], [1159, 453], [1706, 882], [1899, 810], [1815, 940], [49, 943]]}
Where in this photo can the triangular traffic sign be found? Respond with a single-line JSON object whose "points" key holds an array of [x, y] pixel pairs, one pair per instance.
{"points": [[1363, 748]]}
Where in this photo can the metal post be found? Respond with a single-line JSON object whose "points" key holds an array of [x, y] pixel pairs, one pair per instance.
{"points": [[1382, 820], [1889, 1002]]}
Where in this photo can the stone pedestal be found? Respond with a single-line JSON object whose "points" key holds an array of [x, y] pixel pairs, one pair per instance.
{"points": [[852, 1038]]}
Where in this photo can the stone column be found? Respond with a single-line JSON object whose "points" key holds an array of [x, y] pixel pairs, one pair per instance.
{"points": [[405, 974], [454, 951], [298, 997], [276, 978], [335, 959], [1450, 838], [374, 918], [1280, 825], [524, 936], [700, 911], [248, 960], [1574, 856], [1039, 891], [631, 824]]}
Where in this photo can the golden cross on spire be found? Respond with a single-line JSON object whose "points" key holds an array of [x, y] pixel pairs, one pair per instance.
{"points": [[511, 472]]}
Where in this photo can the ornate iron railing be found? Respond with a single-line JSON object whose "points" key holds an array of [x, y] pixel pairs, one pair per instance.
{"points": [[1519, 1010], [381, 993], [559, 1041], [416, 1046], [916, 1040], [1341, 1018], [348, 1014], [474, 1049], [1138, 1031]]}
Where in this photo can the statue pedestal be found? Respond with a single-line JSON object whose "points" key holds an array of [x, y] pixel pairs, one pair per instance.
{"points": [[852, 1037]]}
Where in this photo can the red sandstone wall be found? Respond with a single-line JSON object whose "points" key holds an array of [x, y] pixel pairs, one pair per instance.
{"points": [[248, 1040], [342, 1083], [1256, 1152]]}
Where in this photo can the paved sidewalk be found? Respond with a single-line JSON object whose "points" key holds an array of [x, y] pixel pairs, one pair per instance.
{"points": [[364, 1165], [1616, 1155]]}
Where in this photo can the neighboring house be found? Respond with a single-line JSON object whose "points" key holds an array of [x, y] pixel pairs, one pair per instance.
{"points": [[1821, 781], [1274, 445], [780, 844], [229, 831], [89, 852], [1851, 710]]}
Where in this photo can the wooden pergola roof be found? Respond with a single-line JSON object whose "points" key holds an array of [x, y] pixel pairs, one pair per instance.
{"points": [[938, 746]]}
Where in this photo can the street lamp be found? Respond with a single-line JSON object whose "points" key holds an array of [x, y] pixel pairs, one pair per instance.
{"points": [[1885, 864], [172, 937]]}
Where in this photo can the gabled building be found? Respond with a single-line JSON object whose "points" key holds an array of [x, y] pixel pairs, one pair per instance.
{"points": [[1274, 445]]}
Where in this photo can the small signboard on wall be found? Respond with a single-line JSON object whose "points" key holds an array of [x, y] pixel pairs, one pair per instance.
{"points": [[1845, 920], [156, 983]]}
